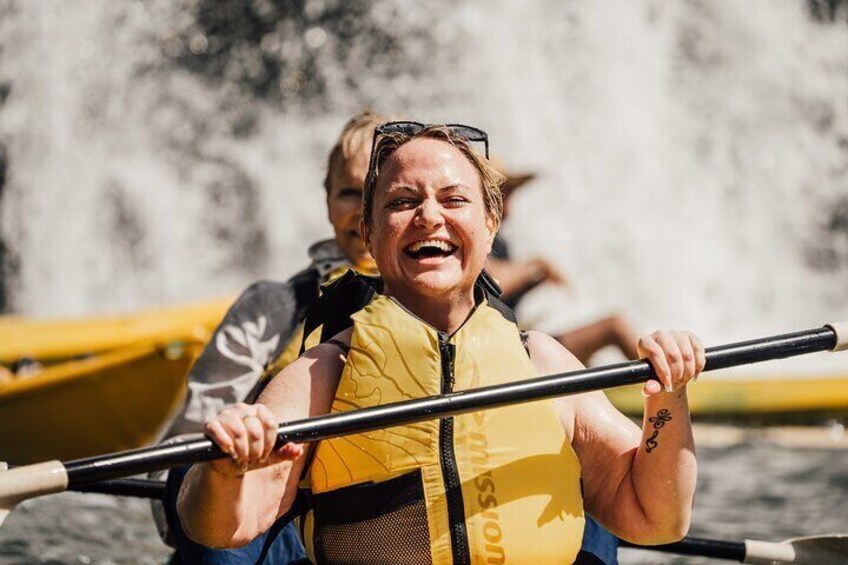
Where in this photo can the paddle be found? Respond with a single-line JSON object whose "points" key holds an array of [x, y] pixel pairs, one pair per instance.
{"points": [[812, 550], [29, 481], [136, 488]]}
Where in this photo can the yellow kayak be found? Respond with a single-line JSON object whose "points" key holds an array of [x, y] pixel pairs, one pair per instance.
{"points": [[52, 340], [740, 396], [115, 401]]}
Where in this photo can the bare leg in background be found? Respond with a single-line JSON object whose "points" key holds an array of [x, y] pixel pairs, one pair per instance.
{"points": [[585, 341]]}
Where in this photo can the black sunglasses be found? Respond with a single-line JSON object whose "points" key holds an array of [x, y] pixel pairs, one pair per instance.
{"points": [[468, 133]]}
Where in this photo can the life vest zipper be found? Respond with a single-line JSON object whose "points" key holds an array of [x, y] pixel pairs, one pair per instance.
{"points": [[447, 456]]}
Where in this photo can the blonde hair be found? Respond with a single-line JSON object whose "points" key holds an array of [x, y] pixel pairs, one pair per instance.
{"points": [[491, 181], [355, 139]]}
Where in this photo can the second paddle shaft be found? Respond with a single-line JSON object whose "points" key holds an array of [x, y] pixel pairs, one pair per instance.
{"points": [[86, 471]]}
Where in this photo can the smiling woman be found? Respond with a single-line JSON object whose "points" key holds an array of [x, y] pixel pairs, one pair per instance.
{"points": [[430, 222], [511, 482]]}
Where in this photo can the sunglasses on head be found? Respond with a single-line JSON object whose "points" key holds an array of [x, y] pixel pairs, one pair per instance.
{"points": [[469, 133]]}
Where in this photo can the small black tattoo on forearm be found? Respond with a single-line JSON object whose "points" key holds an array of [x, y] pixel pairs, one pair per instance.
{"points": [[658, 421]]}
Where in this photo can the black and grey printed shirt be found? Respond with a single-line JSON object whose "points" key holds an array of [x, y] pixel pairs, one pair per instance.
{"points": [[255, 331]]}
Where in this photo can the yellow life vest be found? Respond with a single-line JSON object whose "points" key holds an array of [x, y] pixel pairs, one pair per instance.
{"points": [[500, 486]]}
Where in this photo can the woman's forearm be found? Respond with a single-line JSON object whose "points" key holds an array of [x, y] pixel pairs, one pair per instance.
{"points": [[664, 470], [230, 501], [221, 511], [209, 507]]}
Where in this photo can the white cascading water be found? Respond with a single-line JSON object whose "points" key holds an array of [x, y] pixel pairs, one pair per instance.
{"points": [[691, 156]]}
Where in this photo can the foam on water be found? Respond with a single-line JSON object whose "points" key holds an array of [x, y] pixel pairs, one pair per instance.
{"points": [[692, 156]]}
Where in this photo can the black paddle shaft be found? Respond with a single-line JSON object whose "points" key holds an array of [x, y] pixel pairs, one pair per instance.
{"points": [[128, 463], [137, 488], [718, 549]]}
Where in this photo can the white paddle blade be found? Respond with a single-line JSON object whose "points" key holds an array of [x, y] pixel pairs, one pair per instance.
{"points": [[29, 481], [817, 550], [812, 550]]}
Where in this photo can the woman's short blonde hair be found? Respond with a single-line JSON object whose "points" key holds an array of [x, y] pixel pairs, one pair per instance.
{"points": [[491, 181], [354, 140]]}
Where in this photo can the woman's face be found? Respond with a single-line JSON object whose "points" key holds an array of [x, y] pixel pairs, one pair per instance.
{"points": [[429, 233], [344, 206]]}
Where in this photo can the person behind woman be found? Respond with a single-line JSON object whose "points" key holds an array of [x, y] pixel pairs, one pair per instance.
{"points": [[263, 330], [506, 483], [517, 278]]}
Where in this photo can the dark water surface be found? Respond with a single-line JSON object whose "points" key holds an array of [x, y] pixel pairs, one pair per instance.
{"points": [[750, 489], [765, 492]]}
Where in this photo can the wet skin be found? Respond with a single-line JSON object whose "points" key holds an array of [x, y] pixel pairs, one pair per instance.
{"points": [[430, 234]]}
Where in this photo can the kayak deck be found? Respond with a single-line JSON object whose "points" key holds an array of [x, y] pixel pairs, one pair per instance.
{"points": [[741, 396], [53, 340], [119, 400]]}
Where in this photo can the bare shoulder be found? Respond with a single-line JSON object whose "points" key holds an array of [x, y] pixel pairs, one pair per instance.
{"points": [[340, 339], [312, 378], [549, 355], [328, 355]]}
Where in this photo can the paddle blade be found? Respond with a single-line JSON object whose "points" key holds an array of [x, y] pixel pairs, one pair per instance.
{"points": [[820, 549], [812, 550], [28, 481]]}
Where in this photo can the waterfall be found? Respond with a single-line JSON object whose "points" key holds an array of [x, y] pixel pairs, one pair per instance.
{"points": [[692, 157]]}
